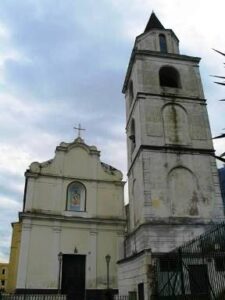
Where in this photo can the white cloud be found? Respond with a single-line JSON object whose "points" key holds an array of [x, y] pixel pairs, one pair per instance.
{"points": [[13, 159], [7, 203]]}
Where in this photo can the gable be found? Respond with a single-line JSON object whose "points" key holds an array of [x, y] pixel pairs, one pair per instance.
{"points": [[76, 160]]}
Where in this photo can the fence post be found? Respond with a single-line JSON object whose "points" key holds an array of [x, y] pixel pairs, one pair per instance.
{"points": [[181, 272]]}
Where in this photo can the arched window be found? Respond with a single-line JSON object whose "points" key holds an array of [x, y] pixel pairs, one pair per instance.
{"points": [[169, 76], [162, 43], [132, 136], [131, 92], [76, 197]]}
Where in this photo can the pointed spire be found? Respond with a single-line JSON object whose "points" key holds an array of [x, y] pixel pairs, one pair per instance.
{"points": [[153, 23]]}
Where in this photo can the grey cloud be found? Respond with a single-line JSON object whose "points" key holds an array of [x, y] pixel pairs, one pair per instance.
{"points": [[60, 56], [9, 185], [71, 64], [10, 192], [8, 215]]}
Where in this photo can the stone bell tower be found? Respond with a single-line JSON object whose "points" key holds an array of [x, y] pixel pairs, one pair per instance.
{"points": [[174, 193]]}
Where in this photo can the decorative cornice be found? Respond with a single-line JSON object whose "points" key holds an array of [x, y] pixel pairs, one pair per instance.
{"points": [[54, 217], [173, 148], [174, 221]]}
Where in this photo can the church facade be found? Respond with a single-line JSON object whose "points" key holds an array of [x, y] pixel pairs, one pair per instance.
{"points": [[72, 221]]}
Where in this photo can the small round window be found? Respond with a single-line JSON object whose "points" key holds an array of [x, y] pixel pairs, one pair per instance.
{"points": [[76, 197]]}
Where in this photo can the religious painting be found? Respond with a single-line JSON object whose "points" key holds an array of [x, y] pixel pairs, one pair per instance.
{"points": [[76, 197]]}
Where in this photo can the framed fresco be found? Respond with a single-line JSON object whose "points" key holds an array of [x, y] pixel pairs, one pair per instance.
{"points": [[76, 196]]}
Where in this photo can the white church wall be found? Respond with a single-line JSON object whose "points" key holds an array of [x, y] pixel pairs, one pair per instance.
{"points": [[110, 200], [39, 267], [49, 194], [107, 244], [132, 272], [38, 260]]}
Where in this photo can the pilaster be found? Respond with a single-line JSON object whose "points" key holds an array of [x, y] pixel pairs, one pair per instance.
{"points": [[23, 267]]}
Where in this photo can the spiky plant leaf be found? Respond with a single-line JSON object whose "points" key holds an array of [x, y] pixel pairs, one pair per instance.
{"points": [[219, 52], [221, 83], [219, 158], [219, 136], [222, 77]]}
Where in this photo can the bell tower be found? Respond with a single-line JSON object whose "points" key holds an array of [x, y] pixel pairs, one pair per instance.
{"points": [[174, 192]]}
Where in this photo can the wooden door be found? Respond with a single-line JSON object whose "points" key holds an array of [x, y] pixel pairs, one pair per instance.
{"points": [[141, 291], [73, 276]]}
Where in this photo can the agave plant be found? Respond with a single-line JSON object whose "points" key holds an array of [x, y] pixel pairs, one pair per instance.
{"points": [[221, 157], [220, 77]]}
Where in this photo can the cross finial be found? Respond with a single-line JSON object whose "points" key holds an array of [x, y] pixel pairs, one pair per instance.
{"points": [[79, 129]]}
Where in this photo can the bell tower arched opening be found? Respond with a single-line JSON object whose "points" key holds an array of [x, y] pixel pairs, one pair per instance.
{"points": [[169, 77]]}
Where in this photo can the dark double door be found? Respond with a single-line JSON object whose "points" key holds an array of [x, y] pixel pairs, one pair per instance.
{"points": [[73, 276]]}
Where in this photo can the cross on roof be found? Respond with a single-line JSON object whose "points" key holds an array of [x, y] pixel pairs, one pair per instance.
{"points": [[79, 129]]}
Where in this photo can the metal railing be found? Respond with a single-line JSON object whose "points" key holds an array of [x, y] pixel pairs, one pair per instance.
{"points": [[121, 297], [33, 297], [194, 271]]}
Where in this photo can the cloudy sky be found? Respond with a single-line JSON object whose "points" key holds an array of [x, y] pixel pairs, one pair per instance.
{"points": [[62, 62]]}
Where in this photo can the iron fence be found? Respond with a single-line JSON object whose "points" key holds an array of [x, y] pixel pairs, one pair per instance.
{"points": [[33, 297], [121, 297], [194, 271]]}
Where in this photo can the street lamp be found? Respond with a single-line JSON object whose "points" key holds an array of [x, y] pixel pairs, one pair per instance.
{"points": [[60, 255], [107, 258]]}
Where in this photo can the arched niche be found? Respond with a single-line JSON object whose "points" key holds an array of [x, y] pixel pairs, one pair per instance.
{"points": [[183, 192], [169, 77], [176, 125], [76, 197]]}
